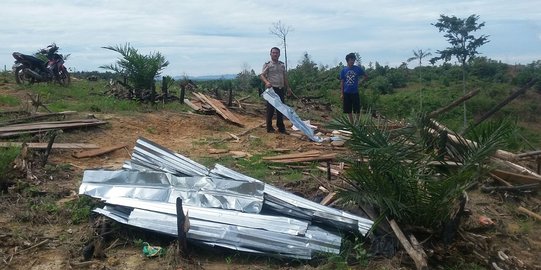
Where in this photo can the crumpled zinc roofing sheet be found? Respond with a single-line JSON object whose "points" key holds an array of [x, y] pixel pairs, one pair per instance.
{"points": [[134, 196], [273, 98], [200, 191]]}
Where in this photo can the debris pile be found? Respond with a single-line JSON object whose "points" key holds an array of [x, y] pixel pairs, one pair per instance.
{"points": [[225, 208]]}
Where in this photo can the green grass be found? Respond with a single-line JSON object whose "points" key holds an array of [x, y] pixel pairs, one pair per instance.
{"points": [[9, 101], [85, 96], [7, 156], [80, 209]]}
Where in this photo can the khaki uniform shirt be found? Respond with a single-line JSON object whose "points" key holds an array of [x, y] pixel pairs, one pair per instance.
{"points": [[275, 73]]}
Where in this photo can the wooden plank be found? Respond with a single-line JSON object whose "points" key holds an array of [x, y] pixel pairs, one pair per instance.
{"points": [[100, 151], [413, 249], [529, 154], [50, 125], [55, 145], [328, 199], [313, 153], [516, 178], [192, 105], [304, 159], [35, 118], [334, 172], [220, 109]]}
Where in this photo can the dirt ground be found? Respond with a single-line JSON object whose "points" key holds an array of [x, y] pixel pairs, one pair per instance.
{"points": [[30, 241]]}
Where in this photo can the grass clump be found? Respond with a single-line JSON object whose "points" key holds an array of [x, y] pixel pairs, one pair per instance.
{"points": [[7, 156]]}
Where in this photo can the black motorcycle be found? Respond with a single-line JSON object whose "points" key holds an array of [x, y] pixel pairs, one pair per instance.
{"points": [[31, 69]]}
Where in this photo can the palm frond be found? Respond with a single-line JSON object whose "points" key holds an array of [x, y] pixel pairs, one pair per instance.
{"points": [[399, 178]]}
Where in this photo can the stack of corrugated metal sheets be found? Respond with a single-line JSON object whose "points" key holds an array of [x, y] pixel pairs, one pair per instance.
{"points": [[225, 207]]}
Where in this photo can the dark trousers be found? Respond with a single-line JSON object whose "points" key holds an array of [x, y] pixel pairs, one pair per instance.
{"points": [[279, 116]]}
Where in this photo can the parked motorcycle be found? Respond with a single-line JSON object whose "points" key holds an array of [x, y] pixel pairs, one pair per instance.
{"points": [[31, 69]]}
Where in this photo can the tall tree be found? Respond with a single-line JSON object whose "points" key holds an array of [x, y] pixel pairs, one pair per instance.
{"points": [[463, 44], [419, 55], [281, 30]]}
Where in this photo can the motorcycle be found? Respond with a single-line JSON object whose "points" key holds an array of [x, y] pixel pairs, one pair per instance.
{"points": [[31, 69]]}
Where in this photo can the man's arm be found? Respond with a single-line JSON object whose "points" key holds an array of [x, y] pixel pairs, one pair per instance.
{"points": [[341, 88], [263, 77], [265, 81]]}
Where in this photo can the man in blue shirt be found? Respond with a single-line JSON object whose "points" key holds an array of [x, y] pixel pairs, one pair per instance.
{"points": [[349, 86]]}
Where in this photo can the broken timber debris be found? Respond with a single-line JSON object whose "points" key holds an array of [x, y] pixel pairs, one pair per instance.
{"points": [[220, 108], [38, 127], [97, 152], [54, 145], [301, 157]]}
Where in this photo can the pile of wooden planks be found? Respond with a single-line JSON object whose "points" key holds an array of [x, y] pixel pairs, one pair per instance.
{"points": [[204, 102], [42, 127]]}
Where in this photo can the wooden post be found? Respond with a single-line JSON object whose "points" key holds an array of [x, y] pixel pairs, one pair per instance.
{"points": [[182, 93], [328, 170], [49, 146], [153, 92], [181, 219], [538, 159], [230, 100], [165, 91]]}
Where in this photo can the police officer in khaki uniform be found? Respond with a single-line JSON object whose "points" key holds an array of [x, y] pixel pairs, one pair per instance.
{"points": [[274, 75]]}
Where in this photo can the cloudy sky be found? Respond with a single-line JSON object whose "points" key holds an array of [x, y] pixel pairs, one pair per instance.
{"points": [[223, 37]]}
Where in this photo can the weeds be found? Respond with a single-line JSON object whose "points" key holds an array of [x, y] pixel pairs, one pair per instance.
{"points": [[9, 101], [80, 209], [7, 156]]}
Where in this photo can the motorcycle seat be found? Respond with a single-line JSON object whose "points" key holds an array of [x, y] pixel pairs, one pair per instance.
{"points": [[29, 58]]}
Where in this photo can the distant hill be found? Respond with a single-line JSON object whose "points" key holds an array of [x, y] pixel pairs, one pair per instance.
{"points": [[208, 77]]}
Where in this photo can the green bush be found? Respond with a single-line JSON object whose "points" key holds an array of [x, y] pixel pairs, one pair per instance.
{"points": [[7, 156]]}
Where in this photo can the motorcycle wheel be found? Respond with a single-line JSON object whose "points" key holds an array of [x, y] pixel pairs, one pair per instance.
{"points": [[64, 76], [20, 77]]}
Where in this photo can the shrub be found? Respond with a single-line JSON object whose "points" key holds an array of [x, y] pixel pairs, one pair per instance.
{"points": [[7, 156]]}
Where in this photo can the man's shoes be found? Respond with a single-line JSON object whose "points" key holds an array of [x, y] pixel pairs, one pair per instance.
{"points": [[284, 132], [270, 130]]}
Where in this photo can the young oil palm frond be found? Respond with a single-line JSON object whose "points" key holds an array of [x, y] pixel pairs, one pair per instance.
{"points": [[140, 70], [400, 178]]}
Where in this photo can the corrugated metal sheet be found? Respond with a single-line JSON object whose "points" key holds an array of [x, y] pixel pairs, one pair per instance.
{"points": [[273, 98], [225, 207]]}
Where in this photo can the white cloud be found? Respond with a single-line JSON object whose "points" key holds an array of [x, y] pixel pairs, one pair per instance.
{"points": [[217, 37]]}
